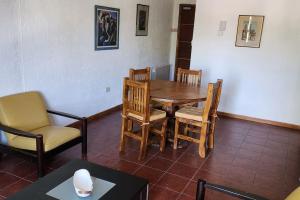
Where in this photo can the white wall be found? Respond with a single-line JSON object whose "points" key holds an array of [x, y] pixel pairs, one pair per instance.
{"points": [[57, 47], [174, 32], [264, 82], [10, 72]]}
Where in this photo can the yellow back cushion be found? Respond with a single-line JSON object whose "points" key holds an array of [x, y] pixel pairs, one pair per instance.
{"points": [[24, 111], [295, 195]]}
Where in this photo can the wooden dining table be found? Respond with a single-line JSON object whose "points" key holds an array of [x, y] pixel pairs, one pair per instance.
{"points": [[171, 94]]}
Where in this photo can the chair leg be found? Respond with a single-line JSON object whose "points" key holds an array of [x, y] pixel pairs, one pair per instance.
{"points": [[40, 155], [124, 128], [211, 139], [202, 149], [84, 139], [144, 140], [176, 134], [163, 135]]}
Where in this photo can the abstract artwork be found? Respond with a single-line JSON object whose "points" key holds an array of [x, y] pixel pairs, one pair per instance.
{"points": [[107, 21]]}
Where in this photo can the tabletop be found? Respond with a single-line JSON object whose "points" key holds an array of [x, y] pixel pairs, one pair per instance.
{"points": [[175, 92]]}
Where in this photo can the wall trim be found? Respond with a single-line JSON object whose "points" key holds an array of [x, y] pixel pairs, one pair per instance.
{"points": [[97, 116], [258, 120]]}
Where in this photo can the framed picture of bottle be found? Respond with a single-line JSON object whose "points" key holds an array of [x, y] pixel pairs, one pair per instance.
{"points": [[249, 31]]}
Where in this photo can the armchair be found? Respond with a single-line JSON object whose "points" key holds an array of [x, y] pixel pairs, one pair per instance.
{"points": [[203, 185], [25, 125]]}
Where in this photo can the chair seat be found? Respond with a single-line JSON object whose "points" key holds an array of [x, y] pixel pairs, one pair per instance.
{"points": [[155, 114], [53, 136], [295, 195], [192, 113]]}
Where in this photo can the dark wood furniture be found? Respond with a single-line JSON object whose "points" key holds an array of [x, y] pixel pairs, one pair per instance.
{"points": [[184, 36], [127, 187], [37, 143], [203, 185], [136, 108]]}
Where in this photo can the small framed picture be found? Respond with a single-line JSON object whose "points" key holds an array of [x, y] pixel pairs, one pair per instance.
{"points": [[107, 22], [142, 19], [249, 31]]}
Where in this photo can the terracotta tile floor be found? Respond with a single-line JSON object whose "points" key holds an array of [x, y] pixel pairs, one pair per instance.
{"points": [[256, 158]]}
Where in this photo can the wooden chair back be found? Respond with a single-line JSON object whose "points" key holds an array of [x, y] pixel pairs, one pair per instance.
{"points": [[208, 103], [190, 77], [140, 74], [216, 97], [136, 97]]}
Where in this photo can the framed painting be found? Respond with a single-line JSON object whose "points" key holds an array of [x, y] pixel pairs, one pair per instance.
{"points": [[142, 19], [107, 25], [249, 31]]}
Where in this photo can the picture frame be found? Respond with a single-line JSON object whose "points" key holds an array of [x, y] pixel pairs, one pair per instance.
{"points": [[249, 31], [107, 25], [142, 20]]}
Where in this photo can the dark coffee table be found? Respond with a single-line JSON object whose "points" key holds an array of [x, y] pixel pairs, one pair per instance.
{"points": [[127, 187]]}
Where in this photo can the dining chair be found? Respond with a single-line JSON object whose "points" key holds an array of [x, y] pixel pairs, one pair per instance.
{"points": [[140, 74], [213, 112], [195, 120], [190, 77], [136, 99]]}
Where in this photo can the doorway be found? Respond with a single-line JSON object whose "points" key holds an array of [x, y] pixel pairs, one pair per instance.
{"points": [[184, 36]]}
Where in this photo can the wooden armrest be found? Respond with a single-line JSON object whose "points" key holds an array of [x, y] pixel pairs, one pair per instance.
{"points": [[202, 185], [65, 115], [17, 132]]}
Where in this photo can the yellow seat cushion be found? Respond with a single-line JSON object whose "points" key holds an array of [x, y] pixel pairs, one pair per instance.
{"points": [[295, 195], [155, 114], [53, 136], [192, 113], [25, 111]]}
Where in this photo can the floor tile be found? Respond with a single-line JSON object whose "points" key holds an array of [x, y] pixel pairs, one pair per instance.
{"points": [[159, 163], [15, 187], [149, 173], [7, 179], [159, 193], [126, 166], [191, 160], [186, 197], [191, 189], [182, 170], [172, 182]]}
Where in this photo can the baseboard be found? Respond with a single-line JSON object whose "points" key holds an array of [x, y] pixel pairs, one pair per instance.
{"points": [[97, 116], [258, 120]]}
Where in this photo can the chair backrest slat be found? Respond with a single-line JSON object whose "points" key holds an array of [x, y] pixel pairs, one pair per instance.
{"points": [[190, 77], [140, 74], [136, 97]]}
